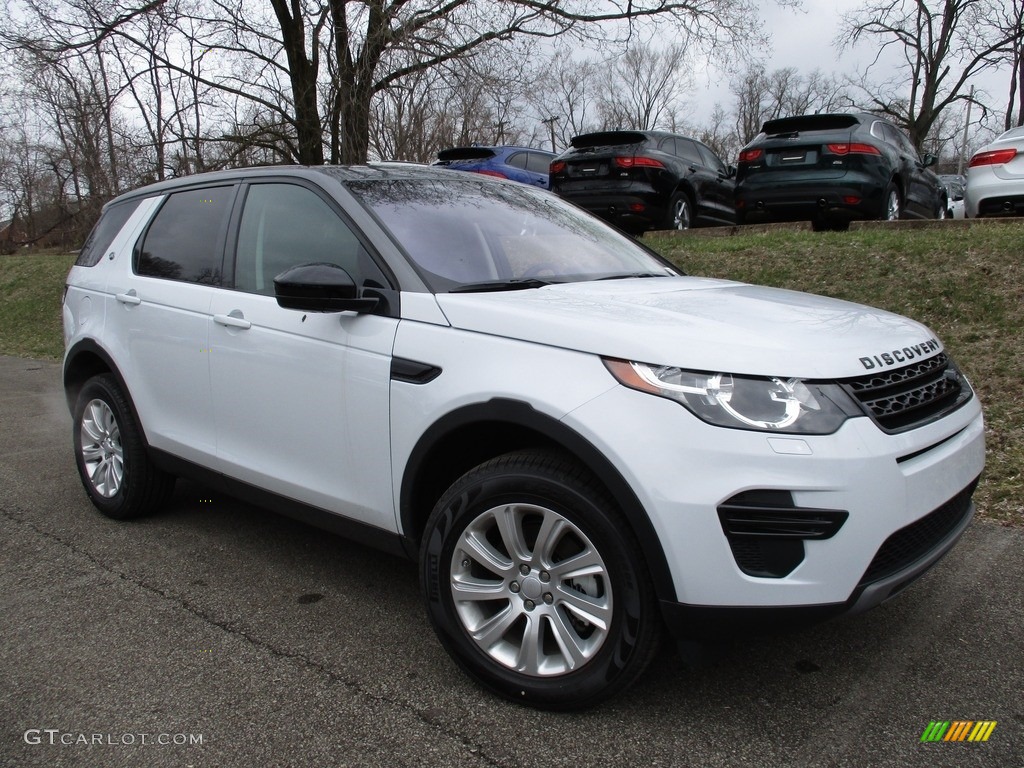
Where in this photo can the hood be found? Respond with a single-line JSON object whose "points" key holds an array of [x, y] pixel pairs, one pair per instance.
{"points": [[700, 324]]}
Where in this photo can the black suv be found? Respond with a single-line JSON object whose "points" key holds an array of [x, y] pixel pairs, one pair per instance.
{"points": [[641, 180], [834, 168]]}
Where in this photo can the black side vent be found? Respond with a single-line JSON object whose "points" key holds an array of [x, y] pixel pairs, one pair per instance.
{"points": [[766, 530], [916, 540], [913, 395]]}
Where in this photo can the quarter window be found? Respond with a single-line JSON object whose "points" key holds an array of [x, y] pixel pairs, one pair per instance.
{"points": [[186, 239], [103, 234]]}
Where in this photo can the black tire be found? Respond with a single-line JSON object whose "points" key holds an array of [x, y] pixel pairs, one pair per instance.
{"points": [[680, 212], [541, 650], [892, 204], [115, 470]]}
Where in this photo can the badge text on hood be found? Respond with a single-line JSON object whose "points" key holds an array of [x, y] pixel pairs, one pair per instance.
{"points": [[899, 356]]}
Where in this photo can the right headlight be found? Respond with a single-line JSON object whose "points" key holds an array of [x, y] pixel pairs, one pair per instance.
{"points": [[766, 404]]}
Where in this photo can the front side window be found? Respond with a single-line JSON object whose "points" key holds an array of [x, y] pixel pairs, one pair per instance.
{"points": [[186, 239], [284, 225]]}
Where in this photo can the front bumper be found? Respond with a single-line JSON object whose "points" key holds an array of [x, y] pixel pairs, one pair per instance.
{"points": [[682, 470]]}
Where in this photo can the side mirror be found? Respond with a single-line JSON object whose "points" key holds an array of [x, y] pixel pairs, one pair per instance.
{"points": [[930, 159], [319, 288], [730, 172]]}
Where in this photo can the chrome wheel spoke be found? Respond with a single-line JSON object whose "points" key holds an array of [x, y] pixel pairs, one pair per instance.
{"points": [[586, 563], [467, 588], [568, 640], [531, 650], [509, 521], [491, 631], [476, 546], [592, 610]]}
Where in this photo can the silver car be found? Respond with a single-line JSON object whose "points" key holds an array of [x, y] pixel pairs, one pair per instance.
{"points": [[995, 177]]}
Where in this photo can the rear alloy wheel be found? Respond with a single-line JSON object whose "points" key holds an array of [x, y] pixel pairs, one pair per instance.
{"points": [[893, 203], [680, 212], [535, 586], [117, 474]]}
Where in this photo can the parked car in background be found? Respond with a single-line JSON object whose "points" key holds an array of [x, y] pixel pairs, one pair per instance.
{"points": [[643, 180], [955, 185], [995, 177], [522, 164], [832, 169]]}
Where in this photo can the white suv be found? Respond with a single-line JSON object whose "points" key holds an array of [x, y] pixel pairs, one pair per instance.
{"points": [[578, 443]]}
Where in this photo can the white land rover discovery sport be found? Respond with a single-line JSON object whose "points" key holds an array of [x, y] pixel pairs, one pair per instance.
{"points": [[578, 443]]}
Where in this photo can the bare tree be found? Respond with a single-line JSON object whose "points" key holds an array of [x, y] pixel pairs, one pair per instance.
{"points": [[643, 88], [933, 47]]}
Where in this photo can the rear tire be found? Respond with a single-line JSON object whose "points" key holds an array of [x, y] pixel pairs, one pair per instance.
{"points": [[534, 584], [680, 212], [892, 208], [113, 465]]}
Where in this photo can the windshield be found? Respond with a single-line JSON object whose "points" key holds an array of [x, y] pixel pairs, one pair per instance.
{"points": [[475, 234]]}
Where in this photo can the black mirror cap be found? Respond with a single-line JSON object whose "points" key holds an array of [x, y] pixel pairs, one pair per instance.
{"points": [[319, 287], [930, 159]]}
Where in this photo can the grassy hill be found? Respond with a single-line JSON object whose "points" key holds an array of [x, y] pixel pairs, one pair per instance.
{"points": [[963, 279]]}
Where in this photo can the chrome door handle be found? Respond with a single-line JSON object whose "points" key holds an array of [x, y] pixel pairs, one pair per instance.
{"points": [[234, 319], [128, 298]]}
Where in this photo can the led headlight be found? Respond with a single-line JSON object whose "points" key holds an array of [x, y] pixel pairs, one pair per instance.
{"points": [[770, 404]]}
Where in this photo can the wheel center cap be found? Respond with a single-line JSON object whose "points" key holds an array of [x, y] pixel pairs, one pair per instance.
{"points": [[532, 588]]}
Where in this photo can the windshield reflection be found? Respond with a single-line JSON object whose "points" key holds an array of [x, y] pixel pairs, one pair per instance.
{"points": [[464, 233]]}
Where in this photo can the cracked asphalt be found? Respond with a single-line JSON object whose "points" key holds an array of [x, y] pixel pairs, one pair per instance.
{"points": [[218, 634]]}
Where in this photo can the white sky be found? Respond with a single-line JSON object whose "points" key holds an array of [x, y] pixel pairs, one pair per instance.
{"points": [[804, 40]]}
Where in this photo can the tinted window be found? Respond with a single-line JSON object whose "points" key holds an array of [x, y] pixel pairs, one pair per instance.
{"points": [[103, 234], [688, 150], [284, 225], [711, 159], [186, 239], [538, 163], [518, 160]]}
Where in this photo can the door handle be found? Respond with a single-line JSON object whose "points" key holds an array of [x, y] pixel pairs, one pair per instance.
{"points": [[131, 297], [233, 319]]}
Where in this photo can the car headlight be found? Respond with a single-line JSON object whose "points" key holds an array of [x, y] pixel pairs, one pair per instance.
{"points": [[768, 404]]}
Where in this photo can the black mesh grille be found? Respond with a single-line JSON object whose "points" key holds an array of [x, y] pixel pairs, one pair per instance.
{"points": [[917, 539], [907, 397]]}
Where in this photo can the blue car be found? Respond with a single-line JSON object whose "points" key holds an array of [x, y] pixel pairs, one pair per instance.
{"points": [[522, 164]]}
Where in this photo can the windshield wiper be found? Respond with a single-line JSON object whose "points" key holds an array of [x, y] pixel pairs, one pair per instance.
{"points": [[517, 284], [631, 275]]}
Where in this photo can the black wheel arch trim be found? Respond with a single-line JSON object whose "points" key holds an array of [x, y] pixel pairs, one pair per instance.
{"points": [[522, 416], [73, 383]]}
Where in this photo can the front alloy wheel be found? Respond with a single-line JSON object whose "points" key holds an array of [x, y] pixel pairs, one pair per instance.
{"points": [[534, 584]]}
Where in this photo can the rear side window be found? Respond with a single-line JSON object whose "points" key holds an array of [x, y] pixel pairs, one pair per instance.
{"points": [[186, 239], [538, 163], [103, 234], [687, 150]]}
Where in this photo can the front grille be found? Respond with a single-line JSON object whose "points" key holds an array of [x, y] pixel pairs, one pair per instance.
{"points": [[916, 540], [913, 395]]}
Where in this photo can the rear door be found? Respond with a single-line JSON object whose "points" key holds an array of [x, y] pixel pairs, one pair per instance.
{"points": [[301, 399], [160, 319]]}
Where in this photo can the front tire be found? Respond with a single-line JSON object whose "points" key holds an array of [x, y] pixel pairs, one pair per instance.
{"points": [[115, 470], [534, 584]]}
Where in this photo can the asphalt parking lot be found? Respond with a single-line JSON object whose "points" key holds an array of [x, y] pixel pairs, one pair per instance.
{"points": [[217, 634]]}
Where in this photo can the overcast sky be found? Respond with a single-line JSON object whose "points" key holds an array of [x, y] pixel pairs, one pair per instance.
{"points": [[804, 40]]}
